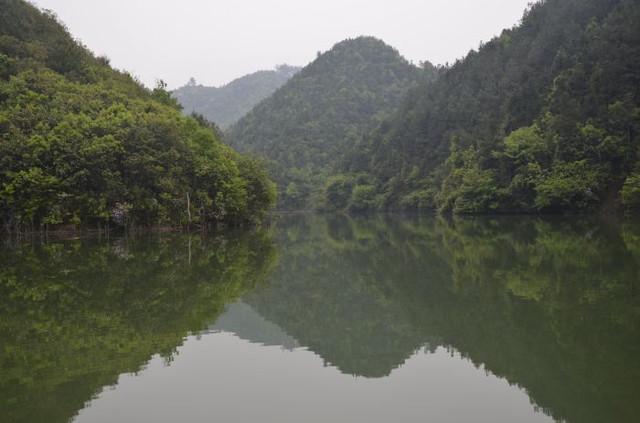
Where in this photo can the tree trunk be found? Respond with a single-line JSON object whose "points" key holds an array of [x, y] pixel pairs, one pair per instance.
{"points": [[188, 210]]}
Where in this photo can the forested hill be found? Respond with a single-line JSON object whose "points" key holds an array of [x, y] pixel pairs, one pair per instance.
{"points": [[225, 105], [82, 144], [306, 126], [543, 118]]}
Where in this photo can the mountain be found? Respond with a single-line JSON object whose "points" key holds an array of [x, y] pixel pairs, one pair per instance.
{"points": [[225, 105], [82, 144], [543, 118], [306, 126]]}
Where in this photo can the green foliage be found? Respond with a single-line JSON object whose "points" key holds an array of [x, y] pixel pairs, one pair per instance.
{"points": [[86, 145], [260, 190], [467, 188], [225, 105], [363, 197], [338, 192], [7, 66], [631, 193], [421, 201], [162, 96], [569, 185], [525, 146]]}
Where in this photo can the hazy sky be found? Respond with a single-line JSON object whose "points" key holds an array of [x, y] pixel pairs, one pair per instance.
{"points": [[217, 41]]}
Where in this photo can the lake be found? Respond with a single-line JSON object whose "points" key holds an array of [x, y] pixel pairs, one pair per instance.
{"points": [[327, 319]]}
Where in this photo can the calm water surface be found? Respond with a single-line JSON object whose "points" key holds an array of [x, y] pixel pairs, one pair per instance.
{"points": [[318, 319]]}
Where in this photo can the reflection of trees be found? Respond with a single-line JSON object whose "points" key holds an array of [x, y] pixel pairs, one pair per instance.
{"points": [[74, 315], [330, 294], [549, 304]]}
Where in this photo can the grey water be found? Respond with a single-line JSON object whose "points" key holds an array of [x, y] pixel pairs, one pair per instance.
{"points": [[327, 318]]}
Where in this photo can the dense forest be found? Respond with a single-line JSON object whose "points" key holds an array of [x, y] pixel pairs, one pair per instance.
{"points": [[543, 118], [225, 105], [82, 144], [306, 126]]}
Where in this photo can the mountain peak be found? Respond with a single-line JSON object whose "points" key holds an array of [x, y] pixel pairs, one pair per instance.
{"points": [[319, 114]]}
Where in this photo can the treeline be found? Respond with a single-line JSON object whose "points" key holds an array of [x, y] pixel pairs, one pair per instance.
{"points": [[84, 145], [543, 118], [306, 127], [225, 105]]}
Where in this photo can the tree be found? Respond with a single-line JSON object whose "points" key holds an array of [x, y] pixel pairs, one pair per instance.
{"points": [[163, 96]]}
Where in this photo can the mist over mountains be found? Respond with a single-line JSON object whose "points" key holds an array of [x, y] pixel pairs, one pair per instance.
{"points": [[226, 104]]}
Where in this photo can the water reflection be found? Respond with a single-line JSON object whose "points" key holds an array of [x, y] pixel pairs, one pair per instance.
{"points": [[549, 305], [76, 314], [223, 378], [243, 321]]}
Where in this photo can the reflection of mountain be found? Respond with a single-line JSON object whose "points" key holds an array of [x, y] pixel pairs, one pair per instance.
{"points": [[550, 306], [74, 315], [241, 320], [327, 296]]}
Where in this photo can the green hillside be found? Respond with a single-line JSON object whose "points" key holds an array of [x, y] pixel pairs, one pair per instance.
{"points": [[543, 118], [225, 105], [306, 126], [84, 145]]}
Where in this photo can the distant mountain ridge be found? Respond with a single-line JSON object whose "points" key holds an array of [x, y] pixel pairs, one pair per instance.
{"points": [[226, 104]]}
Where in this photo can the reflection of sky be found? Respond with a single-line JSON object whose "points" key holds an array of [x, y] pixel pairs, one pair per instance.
{"points": [[241, 320], [220, 377]]}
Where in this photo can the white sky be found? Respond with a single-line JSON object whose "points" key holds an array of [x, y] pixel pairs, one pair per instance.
{"points": [[217, 41]]}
